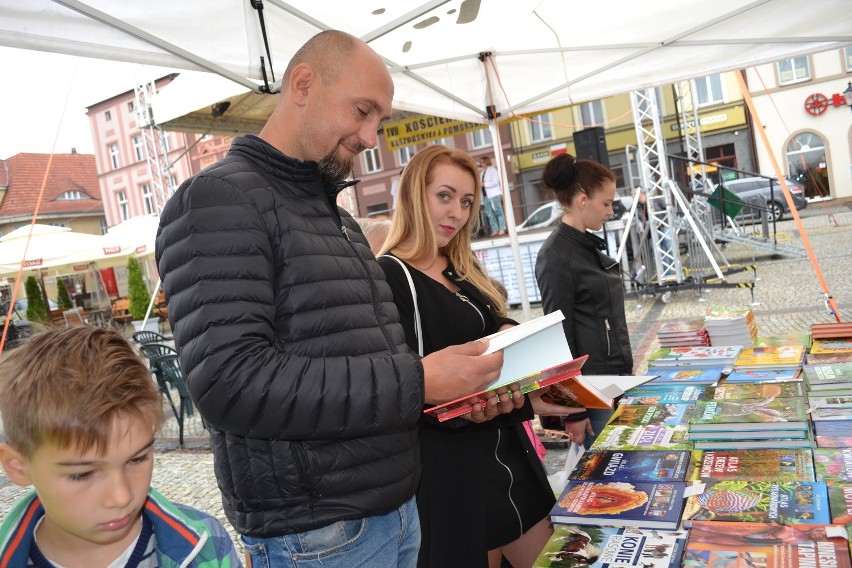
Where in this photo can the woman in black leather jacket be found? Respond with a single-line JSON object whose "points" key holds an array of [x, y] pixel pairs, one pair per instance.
{"points": [[577, 277]]}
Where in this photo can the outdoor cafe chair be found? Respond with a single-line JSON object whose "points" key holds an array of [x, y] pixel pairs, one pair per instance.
{"points": [[153, 352], [169, 367], [144, 337]]}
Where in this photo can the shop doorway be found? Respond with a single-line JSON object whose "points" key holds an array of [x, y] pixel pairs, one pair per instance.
{"points": [[807, 164]]}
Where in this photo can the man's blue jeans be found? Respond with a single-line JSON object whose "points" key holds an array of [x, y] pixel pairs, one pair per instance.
{"points": [[386, 541]]}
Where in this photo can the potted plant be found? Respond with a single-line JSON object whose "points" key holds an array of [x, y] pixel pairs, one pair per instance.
{"points": [[139, 296], [63, 299], [36, 310]]}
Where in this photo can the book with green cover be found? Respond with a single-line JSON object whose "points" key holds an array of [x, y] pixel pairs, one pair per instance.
{"points": [[828, 376], [698, 356], [752, 444], [840, 501], [780, 340], [739, 391], [833, 464], [769, 410], [640, 414], [685, 395], [760, 501], [650, 437], [752, 465]]}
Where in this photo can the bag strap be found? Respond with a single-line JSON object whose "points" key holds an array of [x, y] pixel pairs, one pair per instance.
{"points": [[417, 328]]}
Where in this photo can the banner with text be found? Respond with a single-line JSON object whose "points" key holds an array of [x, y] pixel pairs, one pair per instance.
{"points": [[423, 128]]}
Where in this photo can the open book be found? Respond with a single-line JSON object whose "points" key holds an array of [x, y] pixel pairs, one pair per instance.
{"points": [[535, 355], [593, 391]]}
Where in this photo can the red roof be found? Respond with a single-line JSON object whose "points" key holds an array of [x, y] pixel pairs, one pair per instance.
{"points": [[68, 172]]}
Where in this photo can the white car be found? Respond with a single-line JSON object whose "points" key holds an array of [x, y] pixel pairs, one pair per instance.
{"points": [[549, 214]]}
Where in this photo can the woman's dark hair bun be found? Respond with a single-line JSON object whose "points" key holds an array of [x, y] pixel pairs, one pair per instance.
{"points": [[559, 173]]}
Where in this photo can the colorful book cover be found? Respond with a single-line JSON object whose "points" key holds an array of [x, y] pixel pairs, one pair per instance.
{"points": [[750, 410], [638, 504], [745, 435], [698, 356], [834, 412], [829, 358], [753, 444], [739, 391], [643, 414], [687, 394], [752, 465], [840, 501], [642, 465], [687, 328], [833, 464], [817, 399], [760, 502], [716, 315], [831, 346], [833, 433], [780, 340], [762, 376], [693, 376], [718, 544], [651, 437], [780, 357], [820, 376], [571, 546]]}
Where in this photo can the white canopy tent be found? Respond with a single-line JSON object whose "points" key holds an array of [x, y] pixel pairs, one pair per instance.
{"points": [[471, 60]]}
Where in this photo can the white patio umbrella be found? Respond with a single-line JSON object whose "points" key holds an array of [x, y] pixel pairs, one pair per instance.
{"points": [[133, 236], [49, 246]]}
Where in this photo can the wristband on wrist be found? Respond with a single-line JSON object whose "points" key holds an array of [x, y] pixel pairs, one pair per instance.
{"points": [[576, 417]]}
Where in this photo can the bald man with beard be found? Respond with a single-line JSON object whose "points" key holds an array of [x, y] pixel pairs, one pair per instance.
{"points": [[288, 334]]}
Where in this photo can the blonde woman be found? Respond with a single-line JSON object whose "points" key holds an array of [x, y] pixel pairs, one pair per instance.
{"points": [[483, 492]]}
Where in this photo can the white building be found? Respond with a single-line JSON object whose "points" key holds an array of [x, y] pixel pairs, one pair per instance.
{"points": [[808, 123]]}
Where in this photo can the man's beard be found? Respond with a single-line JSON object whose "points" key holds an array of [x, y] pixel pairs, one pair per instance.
{"points": [[335, 169]]}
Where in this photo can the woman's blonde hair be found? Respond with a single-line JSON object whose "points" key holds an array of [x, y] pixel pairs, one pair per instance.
{"points": [[411, 223]]}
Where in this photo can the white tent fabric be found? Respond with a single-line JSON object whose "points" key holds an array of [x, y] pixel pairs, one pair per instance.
{"points": [[49, 246], [547, 53], [133, 236]]}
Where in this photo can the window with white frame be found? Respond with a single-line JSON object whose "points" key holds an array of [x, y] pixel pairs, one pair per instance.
{"points": [[404, 155], [481, 139], [372, 161], [104, 226], [540, 128], [131, 106], [147, 198], [114, 156], [72, 196], [123, 205], [709, 89], [793, 70], [107, 116], [592, 113], [847, 57], [139, 147]]}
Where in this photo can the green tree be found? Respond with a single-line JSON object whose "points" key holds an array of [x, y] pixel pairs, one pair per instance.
{"points": [[36, 310], [139, 296], [63, 299]]}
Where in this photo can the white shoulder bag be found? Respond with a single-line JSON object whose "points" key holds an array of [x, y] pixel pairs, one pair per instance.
{"points": [[417, 328]]}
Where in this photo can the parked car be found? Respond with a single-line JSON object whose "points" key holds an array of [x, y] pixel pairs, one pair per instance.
{"points": [[765, 193], [549, 214]]}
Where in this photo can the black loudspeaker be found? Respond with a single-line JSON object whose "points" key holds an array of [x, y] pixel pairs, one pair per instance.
{"points": [[590, 144]]}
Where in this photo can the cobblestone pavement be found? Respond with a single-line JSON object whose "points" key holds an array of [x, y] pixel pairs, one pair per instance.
{"points": [[787, 299]]}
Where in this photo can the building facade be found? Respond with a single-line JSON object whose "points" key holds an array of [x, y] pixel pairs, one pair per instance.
{"points": [[125, 179], [807, 120]]}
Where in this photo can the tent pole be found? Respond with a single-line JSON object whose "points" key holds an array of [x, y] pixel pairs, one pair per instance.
{"points": [[151, 303]]}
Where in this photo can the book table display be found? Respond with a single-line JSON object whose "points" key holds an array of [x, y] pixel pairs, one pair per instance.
{"points": [[733, 456]]}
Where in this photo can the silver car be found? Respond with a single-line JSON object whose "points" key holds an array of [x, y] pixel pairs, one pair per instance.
{"points": [[760, 193]]}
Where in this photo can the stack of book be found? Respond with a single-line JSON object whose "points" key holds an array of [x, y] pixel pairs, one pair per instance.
{"points": [[781, 340], [730, 327], [834, 467], [833, 350], [683, 334]]}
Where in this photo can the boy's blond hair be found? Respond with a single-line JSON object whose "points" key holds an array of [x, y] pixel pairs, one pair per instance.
{"points": [[67, 387]]}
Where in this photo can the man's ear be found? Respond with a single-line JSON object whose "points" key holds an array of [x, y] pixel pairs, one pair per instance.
{"points": [[301, 80], [15, 465]]}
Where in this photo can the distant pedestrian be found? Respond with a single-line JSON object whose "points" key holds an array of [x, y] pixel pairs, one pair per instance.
{"points": [[493, 197]]}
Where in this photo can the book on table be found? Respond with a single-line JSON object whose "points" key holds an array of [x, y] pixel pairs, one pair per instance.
{"points": [[592, 391], [687, 375], [777, 357], [669, 394], [771, 413], [709, 432], [831, 330], [753, 444], [840, 501], [721, 544], [829, 350], [833, 464], [648, 505], [778, 340], [535, 354], [828, 376], [641, 414], [758, 501], [701, 356], [833, 433], [752, 465], [639, 465], [817, 399], [740, 391], [819, 412], [826, 358], [763, 376], [638, 437], [610, 547]]}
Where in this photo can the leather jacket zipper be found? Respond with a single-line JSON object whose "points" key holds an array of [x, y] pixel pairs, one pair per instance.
{"points": [[608, 343]]}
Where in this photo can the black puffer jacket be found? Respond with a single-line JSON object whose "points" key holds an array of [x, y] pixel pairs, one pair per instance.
{"points": [[291, 345], [575, 276]]}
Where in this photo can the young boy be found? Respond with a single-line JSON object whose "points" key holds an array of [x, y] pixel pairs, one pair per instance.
{"points": [[80, 411]]}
